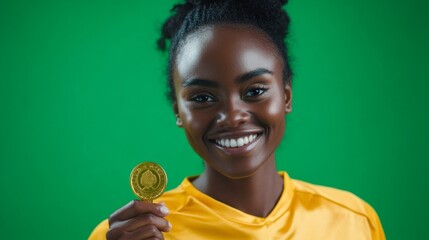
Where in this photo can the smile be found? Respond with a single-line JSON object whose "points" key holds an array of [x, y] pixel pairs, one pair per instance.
{"points": [[236, 142]]}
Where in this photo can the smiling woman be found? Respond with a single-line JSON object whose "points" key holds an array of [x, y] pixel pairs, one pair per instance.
{"points": [[230, 89], [239, 93]]}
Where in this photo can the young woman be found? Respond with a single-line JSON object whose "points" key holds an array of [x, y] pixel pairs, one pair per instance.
{"points": [[230, 83]]}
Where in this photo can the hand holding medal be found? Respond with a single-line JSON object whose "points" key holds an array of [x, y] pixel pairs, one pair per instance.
{"points": [[142, 219]]}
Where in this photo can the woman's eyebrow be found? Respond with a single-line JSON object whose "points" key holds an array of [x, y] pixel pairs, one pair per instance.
{"points": [[209, 83], [252, 74], [199, 82]]}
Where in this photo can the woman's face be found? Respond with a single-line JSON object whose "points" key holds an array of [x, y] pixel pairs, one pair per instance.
{"points": [[231, 99]]}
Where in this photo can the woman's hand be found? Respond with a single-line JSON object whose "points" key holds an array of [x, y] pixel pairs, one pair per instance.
{"points": [[138, 220]]}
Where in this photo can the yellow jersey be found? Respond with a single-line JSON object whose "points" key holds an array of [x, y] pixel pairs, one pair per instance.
{"points": [[304, 211]]}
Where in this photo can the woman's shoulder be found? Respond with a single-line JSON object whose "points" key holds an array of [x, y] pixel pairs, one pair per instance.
{"points": [[338, 199]]}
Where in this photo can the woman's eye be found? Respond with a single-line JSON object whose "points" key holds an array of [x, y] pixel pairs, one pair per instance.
{"points": [[255, 92], [202, 98]]}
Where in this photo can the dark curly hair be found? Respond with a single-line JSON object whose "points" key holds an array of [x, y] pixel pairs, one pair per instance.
{"points": [[266, 15]]}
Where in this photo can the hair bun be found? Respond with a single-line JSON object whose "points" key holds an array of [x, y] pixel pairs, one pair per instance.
{"points": [[199, 2]]}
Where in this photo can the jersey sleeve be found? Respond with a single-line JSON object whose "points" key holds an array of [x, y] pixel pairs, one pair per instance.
{"points": [[99, 232], [377, 231]]}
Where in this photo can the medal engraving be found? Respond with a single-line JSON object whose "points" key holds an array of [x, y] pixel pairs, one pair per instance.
{"points": [[148, 181]]}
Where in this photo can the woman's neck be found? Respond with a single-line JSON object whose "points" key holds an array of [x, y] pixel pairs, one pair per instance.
{"points": [[256, 195]]}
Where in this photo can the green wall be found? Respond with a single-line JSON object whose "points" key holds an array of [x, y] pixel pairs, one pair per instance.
{"points": [[81, 103]]}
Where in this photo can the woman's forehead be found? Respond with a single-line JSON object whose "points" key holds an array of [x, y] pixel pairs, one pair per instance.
{"points": [[215, 48], [224, 36]]}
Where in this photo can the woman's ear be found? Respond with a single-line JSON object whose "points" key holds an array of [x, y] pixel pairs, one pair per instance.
{"points": [[288, 98], [176, 113]]}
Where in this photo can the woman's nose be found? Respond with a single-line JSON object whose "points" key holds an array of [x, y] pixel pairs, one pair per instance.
{"points": [[233, 114]]}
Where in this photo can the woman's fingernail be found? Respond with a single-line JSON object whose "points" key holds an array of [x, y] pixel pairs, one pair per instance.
{"points": [[169, 225], [164, 209]]}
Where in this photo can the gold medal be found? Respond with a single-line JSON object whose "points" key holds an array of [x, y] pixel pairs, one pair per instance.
{"points": [[148, 181]]}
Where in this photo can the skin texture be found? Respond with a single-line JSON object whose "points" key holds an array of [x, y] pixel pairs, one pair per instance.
{"points": [[229, 84]]}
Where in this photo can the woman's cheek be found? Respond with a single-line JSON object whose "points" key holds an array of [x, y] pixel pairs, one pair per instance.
{"points": [[195, 124], [275, 114], [276, 106]]}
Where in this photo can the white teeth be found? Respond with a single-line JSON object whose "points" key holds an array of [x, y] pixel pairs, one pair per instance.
{"points": [[227, 143], [239, 142]]}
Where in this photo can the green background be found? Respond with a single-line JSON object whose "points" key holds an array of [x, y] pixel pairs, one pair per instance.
{"points": [[81, 103]]}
